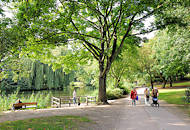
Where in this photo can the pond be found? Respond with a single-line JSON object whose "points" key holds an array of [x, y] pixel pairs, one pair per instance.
{"points": [[43, 97], [57, 93]]}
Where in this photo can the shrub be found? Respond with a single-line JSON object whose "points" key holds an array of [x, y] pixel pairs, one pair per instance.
{"points": [[114, 93], [125, 89]]}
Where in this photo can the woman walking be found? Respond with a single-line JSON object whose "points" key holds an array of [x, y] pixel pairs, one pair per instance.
{"points": [[133, 96], [146, 96]]}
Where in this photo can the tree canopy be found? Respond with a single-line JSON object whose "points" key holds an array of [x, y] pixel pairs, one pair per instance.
{"points": [[100, 27]]}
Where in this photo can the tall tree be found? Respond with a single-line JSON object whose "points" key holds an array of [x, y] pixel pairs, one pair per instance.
{"points": [[147, 62], [101, 26], [126, 64]]}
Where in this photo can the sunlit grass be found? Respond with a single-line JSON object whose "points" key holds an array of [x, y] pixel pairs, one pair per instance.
{"points": [[175, 96], [171, 90], [45, 123], [172, 96], [185, 84]]}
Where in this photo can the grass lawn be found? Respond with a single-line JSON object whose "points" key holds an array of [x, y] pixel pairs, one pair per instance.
{"points": [[45, 123], [172, 96], [175, 96], [180, 84]]}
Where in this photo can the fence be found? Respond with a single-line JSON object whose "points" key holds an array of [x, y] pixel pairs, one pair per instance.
{"points": [[61, 101]]}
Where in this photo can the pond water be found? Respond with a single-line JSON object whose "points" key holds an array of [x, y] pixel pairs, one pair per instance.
{"points": [[57, 93]]}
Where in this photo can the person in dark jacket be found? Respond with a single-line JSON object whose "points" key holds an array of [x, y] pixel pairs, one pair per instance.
{"points": [[18, 107]]}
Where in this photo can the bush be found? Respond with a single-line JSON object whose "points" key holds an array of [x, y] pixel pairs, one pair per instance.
{"points": [[125, 89], [114, 93]]}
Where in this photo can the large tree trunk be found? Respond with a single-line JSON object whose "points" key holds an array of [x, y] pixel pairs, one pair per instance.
{"points": [[102, 90], [164, 80], [102, 85]]}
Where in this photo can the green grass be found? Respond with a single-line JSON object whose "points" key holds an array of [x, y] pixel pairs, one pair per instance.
{"points": [[186, 84], [45, 123], [172, 96], [175, 96]]}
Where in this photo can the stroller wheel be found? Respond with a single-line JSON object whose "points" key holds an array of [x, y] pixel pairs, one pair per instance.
{"points": [[152, 104], [158, 105]]}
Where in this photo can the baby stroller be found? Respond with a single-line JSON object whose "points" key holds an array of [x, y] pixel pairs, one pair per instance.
{"points": [[155, 102]]}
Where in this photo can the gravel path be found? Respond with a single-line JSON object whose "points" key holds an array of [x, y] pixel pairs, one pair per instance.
{"points": [[120, 115]]}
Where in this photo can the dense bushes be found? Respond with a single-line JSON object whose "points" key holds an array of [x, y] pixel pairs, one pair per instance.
{"points": [[114, 93], [125, 89]]}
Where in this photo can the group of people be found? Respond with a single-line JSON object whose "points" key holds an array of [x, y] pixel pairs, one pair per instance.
{"points": [[154, 94]]}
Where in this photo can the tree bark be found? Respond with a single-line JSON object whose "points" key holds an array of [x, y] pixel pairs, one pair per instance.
{"points": [[152, 84], [102, 90], [164, 83], [117, 83], [102, 84], [170, 81]]}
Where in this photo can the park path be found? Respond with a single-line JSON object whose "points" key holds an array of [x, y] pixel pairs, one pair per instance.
{"points": [[120, 115]]}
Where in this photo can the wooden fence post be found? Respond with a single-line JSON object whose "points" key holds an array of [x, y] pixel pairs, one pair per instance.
{"points": [[70, 101], [52, 102], [60, 102], [86, 100]]}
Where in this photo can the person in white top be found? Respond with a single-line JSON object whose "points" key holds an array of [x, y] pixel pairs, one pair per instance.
{"points": [[74, 96], [146, 96]]}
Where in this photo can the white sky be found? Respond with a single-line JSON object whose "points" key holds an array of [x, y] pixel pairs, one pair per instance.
{"points": [[147, 23]]}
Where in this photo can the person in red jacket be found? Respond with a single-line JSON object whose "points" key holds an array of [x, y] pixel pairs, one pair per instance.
{"points": [[133, 96]]}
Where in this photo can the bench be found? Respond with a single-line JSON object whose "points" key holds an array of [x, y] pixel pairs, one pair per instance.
{"points": [[24, 105]]}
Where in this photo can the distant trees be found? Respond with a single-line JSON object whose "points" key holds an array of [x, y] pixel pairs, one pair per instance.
{"points": [[37, 76], [126, 65]]}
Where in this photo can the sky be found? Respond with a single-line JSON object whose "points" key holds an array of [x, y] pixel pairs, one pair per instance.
{"points": [[147, 23]]}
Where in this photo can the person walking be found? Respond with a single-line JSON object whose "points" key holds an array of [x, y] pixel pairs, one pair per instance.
{"points": [[74, 96], [133, 96], [155, 95], [146, 96]]}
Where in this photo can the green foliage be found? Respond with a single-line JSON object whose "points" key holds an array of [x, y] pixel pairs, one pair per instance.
{"points": [[43, 100], [125, 89], [53, 122], [35, 75], [125, 66], [114, 93], [100, 28], [95, 93]]}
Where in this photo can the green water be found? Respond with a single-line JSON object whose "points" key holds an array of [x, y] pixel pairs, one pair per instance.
{"points": [[57, 93]]}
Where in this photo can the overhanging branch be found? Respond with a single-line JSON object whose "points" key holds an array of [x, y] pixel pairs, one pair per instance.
{"points": [[93, 48]]}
